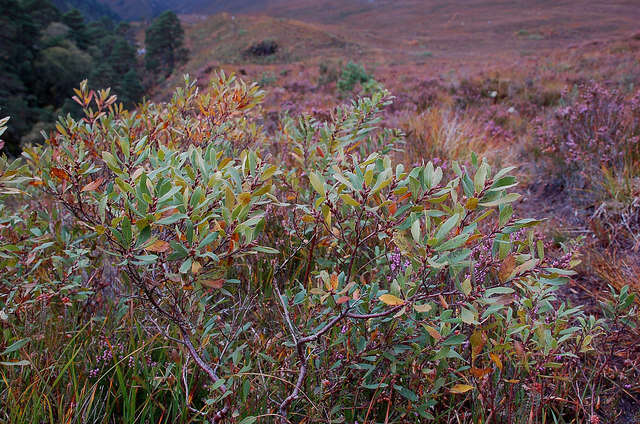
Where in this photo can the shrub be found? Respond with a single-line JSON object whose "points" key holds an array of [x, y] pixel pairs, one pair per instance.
{"points": [[408, 279], [328, 73], [593, 143], [599, 129], [263, 48], [332, 285], [353, 74]]}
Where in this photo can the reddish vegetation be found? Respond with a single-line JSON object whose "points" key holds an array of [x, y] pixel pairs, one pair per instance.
{"points": [[551, 88]]}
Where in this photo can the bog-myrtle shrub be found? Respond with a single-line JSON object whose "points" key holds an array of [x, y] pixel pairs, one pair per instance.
{"points": [[325, 282]]}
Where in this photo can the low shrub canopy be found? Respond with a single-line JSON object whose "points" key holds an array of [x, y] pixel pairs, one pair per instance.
{"points": [[304, 274]]}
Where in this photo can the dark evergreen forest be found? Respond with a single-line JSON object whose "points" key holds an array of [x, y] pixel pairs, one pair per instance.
{"points": [[47, 49]]}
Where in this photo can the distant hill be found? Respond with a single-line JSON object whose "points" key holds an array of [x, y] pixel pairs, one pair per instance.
{"points": [[144, 9], [437, 35], [91, 9], [325, 9]]}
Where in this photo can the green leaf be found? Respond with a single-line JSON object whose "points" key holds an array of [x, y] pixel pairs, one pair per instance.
{"points": [[467, 316], [453, 243], [146, 259], [498, 290], [375, 386], [210, 238], [349, 200], [124, 186], [172, 219], [415, 230], [406, 393], [455, 340], [15, 346], [127, 235], [447, 226], [111, 161], [179, 251], [186, 266], [318, 183], [22, 363], [509, 198], [480, 177], [264, 249]]}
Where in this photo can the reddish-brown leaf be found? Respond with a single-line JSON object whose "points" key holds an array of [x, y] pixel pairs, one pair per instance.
{"points": [[506, 268], [443, 302], [334, 281], [60, 174], [479, 372], [159, 246], [93, 185], [342, 300], [214, 284]]}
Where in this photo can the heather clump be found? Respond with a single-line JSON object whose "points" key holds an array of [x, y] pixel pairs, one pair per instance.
{"points": [[592, 144], [598, 130]]}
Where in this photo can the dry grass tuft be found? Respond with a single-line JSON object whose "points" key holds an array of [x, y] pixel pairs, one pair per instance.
{"points": [[444, 134], [614, 269]]}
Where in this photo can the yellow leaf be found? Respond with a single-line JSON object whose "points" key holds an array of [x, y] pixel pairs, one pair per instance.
{"points": [[195, 267], [318, 183], [478, 340], [466, 286], [334, 281], [349, 200], [479, 372], [401, 312], [432, 332], [158, 246], [496, 359], [461, 388], [422, 308], [391, 300], [244, 198], [472, 203]]}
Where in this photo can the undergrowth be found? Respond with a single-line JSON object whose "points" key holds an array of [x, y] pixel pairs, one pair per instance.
{"points": [[178, 264]]}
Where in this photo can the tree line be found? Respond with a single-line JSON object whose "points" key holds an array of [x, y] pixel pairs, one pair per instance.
{"points": [[45, 53]]}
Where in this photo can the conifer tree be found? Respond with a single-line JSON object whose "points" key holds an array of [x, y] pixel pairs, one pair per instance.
{"points": [[75, 21], [164, 44], [131, 89], [123, 56]]}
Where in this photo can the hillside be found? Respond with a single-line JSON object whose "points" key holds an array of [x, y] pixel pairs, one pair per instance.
{"points": [[91, 9], [463, 25], [437, 37], [145, 9], [357, 211]]}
